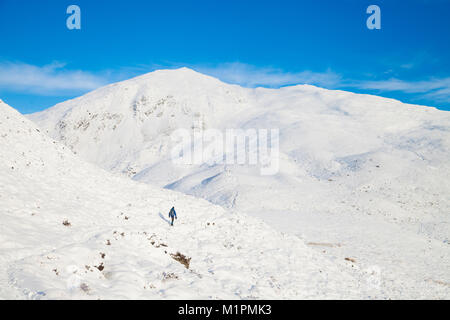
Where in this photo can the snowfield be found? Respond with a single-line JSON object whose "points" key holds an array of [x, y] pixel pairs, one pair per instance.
{"points": [[71, 230], [360, 207], [363, 180]]}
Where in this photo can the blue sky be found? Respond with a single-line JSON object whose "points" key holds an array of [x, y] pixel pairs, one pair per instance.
{"points": [[252, 43]]}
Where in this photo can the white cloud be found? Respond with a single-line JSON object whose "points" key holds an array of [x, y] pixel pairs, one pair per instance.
{"points": [[406, 86], [55, 79], [434, 88], [50, 79], [251, 76], [437, 89]]}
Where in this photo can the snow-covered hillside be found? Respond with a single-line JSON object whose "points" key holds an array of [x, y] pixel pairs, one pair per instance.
{"points": [[360, 176], [71, 230]]}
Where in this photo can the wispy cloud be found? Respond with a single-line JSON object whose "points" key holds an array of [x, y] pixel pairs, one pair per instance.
{"points": [[406, 86], [48, 79], [252, 76], [437, 89], [57, 79], [434, 89]]}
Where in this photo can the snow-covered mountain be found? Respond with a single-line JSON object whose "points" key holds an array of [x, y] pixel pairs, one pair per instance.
{"points": [[359, 176], [71, 230]]}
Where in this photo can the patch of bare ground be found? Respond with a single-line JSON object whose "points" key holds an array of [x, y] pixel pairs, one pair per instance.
{"points": [[66, 223], [100, 267], [154, 241], [169, 276], [181, 258]]}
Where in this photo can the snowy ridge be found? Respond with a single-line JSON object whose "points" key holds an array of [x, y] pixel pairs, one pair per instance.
{"points": [[71, 230]]}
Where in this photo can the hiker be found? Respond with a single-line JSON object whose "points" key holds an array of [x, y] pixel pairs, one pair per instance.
{"points": [[172, 215]]}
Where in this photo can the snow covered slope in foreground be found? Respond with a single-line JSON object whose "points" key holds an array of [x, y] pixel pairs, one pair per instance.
{"points": [[361, 177], [71, 230]]}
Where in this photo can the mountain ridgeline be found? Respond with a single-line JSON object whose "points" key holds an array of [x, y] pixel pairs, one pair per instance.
{"points": [[355, 171]]}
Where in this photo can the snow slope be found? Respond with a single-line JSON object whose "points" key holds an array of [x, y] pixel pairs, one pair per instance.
{"points": [[360, 176], [71, 230]]}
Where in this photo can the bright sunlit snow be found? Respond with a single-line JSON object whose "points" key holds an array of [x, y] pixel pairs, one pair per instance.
{"points": [[359, 209]]}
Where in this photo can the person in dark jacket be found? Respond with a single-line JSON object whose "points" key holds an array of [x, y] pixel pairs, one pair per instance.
{"points": [[172, 215]]}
